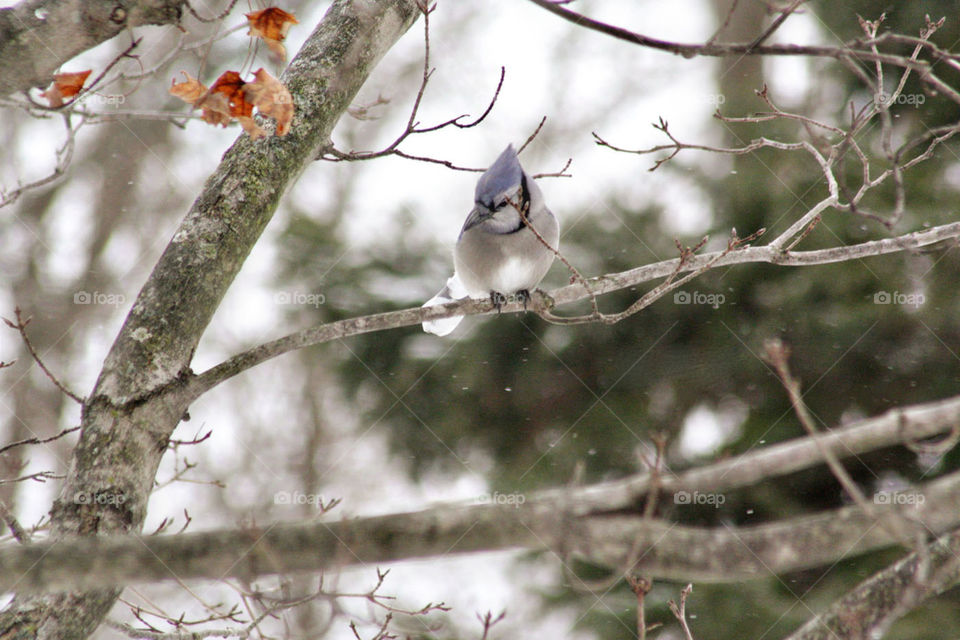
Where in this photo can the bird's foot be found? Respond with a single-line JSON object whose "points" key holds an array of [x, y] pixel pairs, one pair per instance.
{"points": [[498, 299]]}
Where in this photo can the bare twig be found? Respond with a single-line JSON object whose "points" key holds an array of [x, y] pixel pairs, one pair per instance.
{"points": [[40, 476], [21, 326], [860, 49], [413, 125], [725, 23], [777, 354], [640, 587], [769, 31], [223, 14], [64, 156], [197, 439], [680, 612], [488, 621], [35, 440]]}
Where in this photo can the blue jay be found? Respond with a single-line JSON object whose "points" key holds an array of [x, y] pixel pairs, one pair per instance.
{"points": [[497, 254]]}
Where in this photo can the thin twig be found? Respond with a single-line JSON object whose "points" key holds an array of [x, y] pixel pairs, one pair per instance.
{"points": [[680, 612], [412, 127], [777, 354], [21, 326], [64, 157], [640, 587], [223, 14], [21, 443], [488, 621], [784, 14]]}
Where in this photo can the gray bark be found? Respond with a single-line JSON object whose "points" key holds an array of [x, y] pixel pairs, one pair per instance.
{"points": [[867, 611], [139, 396], [37, 36], [656, 548], [593, 522]]}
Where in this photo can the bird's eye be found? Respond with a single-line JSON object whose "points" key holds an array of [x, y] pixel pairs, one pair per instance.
{"points": [[500, 204]]}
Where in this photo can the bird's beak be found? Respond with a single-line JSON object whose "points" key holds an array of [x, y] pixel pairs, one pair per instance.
{"points": [[477, 215]]}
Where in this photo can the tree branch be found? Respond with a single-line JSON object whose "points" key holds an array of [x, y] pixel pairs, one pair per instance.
{"points": [[867, 611], [860, 49], [37, 36], [578, 521], [599, 285]]}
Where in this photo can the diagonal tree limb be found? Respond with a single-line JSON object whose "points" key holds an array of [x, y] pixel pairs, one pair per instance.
{"points": [[868, 610], [587, 521], [38, 36], [139, 397]]}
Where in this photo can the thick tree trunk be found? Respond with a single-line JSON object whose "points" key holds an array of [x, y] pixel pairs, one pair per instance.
{"points": [[140, 395]]}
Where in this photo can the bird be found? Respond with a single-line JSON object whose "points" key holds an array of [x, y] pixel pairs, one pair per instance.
{"points": [[497, 253]]}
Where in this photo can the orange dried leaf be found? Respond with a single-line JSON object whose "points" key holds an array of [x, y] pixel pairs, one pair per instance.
{"points": [[230, 85], [65, 85], [215, 108], [190, 90], [271, 99], [271, 24]]}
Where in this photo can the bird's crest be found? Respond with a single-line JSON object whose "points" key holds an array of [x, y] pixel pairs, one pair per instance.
{"points": [[503, 177]]}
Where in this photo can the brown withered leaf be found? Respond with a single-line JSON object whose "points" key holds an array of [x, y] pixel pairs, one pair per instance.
{"points": [[190, 90], [215, 108], [231, 97], [230, 84], [65, 85], [272, 25], [271, 98]]}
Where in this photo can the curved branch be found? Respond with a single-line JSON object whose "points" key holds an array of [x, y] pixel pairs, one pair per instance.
{"points": [[566, 521], [860, 49], [199, 384]]}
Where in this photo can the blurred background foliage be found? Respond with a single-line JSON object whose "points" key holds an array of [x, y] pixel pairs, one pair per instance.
{"points": [[511, 400], [531, 401]]}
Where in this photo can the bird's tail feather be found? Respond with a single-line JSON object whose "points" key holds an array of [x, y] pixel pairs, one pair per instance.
{"points": [[453, 290]]}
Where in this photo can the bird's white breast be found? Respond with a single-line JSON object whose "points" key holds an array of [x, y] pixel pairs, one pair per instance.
{"points": [[516, 273]]}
